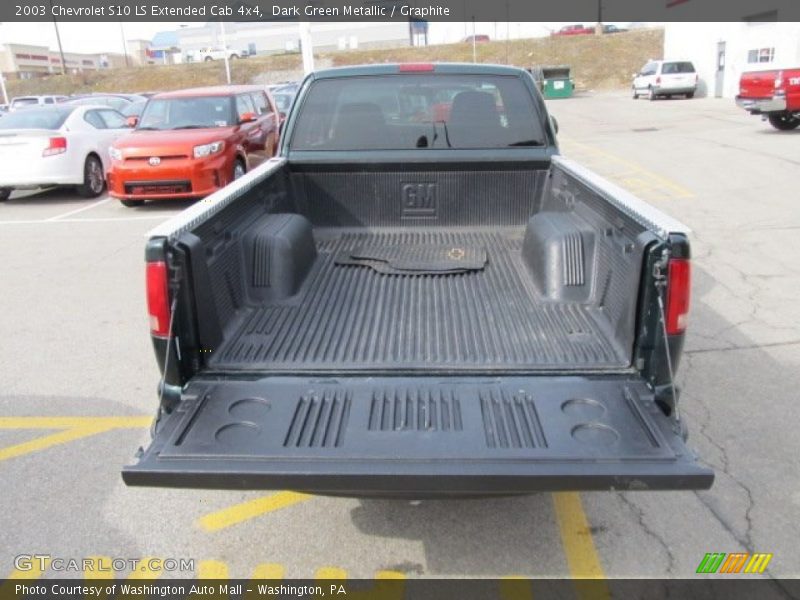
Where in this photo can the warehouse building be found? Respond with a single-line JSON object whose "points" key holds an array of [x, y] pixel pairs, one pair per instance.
{"points": [[25, 61], [721, 52]]}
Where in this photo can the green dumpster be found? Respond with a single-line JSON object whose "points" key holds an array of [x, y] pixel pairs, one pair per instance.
{"points": [[556, 81]]}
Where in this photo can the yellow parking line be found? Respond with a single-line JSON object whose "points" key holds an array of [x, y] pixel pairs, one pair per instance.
{"points": [[576, 538], [250, 509], [385, 587], [34, 572], [677, 189], [143, 569], [40, 443], [101, 568], [71, 422], [74, 428], [212, 569], [330, 573], [268, 571], [516, 588]]}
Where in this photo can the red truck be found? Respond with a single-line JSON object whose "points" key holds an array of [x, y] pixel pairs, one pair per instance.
{"points": [[574, 30], [774, 94]]}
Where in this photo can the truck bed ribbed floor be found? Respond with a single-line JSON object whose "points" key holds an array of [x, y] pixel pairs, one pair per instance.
{"points": [[354, 318]]}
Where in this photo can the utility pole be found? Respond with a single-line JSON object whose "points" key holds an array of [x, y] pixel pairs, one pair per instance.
{"points": [[225, 51], [474, 49], [58, 39], [3, 88], [599, 28], [124, 44], [306, 47]]}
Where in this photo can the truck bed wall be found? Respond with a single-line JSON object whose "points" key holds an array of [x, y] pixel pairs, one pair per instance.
{"points": [[578, 248]]}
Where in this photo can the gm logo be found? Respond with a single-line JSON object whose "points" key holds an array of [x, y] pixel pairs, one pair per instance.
{"points": [[419, 200]]}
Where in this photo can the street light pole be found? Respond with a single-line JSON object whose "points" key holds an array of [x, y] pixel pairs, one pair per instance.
{"points": [[124, 44], [3, 88], [306, 47], [225, 52], [58, 39]]}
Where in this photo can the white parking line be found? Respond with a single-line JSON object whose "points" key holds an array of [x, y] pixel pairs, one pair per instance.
{"points": [[79, 210], [100, 220]]}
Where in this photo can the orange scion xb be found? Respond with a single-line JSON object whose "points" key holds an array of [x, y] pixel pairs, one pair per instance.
{"points": [[190, 143]]}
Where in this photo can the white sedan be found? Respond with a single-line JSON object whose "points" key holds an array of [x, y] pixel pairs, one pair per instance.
{"points": [[57, 146]]}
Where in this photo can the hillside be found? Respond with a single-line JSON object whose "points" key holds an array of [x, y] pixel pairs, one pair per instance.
{"points": [[598, 62]]}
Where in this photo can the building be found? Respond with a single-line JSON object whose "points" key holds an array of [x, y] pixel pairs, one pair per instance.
{"points": [[722, 51], [25, 61], [283, 36]]}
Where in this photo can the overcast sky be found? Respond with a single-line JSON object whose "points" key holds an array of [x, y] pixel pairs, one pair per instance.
{"points": [[107, 37]]}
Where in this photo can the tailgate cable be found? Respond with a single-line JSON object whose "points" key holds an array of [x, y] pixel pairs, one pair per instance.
{"points": [[661, 284], [163, 383]]}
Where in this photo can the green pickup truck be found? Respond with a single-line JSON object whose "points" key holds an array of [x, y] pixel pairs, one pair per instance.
{"points": [[419, 297]]}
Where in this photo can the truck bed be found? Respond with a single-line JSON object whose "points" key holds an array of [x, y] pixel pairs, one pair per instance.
{"points": [[347, 317]]}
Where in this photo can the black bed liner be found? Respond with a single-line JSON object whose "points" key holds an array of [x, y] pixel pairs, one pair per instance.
{"points": [[352, 318], [419, 437]]}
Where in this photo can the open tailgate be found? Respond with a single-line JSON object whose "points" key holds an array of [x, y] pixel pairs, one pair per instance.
{"points": [[419, 436]]}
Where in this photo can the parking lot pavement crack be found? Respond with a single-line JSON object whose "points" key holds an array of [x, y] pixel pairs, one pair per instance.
{"points": [[649, 531], [742, 347], [744, 539]]}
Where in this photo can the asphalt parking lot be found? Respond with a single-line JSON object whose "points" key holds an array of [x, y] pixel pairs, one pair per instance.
{"points": [[78, 389]]}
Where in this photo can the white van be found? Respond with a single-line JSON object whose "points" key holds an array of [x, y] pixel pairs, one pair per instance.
{"points": [[26, 101], [665, 78]]}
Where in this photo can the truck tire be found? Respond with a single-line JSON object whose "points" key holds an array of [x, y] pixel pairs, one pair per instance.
{"points": [[233, 57], [93, 178], [652, 95], [635, 95], [690, 95], [132, 203], [783, 122], [208, 58], [5, 193]]}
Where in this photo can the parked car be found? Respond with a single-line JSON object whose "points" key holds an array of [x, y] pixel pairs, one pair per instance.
{"points": [[214, 53], [613, 29], [118, 102], [774, 94], [665, 78], [30, 101], [134, 109], [189, 143], [382, 311], [478, 38], [283, 102], [57, 146], [574, 30]]}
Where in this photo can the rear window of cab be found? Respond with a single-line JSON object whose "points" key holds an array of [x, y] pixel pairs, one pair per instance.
{"points": [[417, 111]]}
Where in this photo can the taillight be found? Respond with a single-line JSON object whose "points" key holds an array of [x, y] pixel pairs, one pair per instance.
{"points": [[57, 145], [158, 298], [658, 79], [679, 281], [415, 67]]}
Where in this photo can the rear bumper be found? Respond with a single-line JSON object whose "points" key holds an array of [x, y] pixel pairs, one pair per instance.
{"points": [[420, 438], [203, 176], [762, 105], [42, 172], [676, 90]]}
